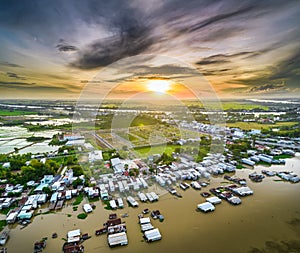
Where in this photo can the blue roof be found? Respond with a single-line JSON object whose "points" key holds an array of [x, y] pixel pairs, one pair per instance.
{"points": [[40, 187]]}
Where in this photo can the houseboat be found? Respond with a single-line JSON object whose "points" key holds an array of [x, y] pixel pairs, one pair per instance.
{"points": [[118, 239], [206, 207], [132, 202], [142, 197], [4, 237], [196, 185], [152, 235], [214, 200], [113, 204], [120, 203], [39, 246], [87, 208]]}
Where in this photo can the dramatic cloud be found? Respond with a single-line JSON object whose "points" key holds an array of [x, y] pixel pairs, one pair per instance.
{"points": [[245, 44], [63, 46], [267, 87], [132, 38]]}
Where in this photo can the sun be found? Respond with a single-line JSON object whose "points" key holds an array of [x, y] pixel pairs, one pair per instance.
{"points": [[159, 86]]}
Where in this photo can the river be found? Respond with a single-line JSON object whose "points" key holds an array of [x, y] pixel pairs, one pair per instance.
{"points": [[271, 214]]}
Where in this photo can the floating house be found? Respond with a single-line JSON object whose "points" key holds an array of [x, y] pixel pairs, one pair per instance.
{"points": [[214, 200], [120, 203], [118, 239], [87, 208], [142, 197], [248, 162], [206, 207], [132, 201], [113, 204], [152, 235]]}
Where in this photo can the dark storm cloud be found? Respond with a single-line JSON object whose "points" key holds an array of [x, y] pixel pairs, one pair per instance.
{"points": [[9, 64], [64, 46], [287, 70], [132, 38], [267, 87], [223, 58], [99, 33]]}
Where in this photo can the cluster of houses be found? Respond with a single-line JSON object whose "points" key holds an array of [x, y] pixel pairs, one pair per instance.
{"points": [[256, 156], [151, 234], [229, 193]]}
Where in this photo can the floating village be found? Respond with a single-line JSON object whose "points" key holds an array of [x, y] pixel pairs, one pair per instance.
{"points": [[118, 189]]}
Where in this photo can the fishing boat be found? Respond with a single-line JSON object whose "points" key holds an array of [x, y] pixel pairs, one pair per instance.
{"points": [[4, 236], [39, 245]]}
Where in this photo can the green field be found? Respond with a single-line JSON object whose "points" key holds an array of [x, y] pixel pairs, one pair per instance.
{"points": [[145, 151], [15, 113], [240, 106], [255, 125]]}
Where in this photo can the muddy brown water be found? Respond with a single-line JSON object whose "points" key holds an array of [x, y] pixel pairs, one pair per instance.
{"points": [[265, 216]]}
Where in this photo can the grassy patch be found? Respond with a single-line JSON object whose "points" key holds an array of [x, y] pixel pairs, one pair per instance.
{"points": [[82, 216], [107, 205], [283, 156], [69, 215], [93, 200], [264, 163], [2, 224], [240, 166], [78, 200], [259, 126], [241, 106], [168, 149], [15, 113], [75, 208], [6, 211]]}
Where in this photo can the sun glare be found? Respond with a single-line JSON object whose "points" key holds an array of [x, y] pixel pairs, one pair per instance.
{"points": [[159, 86]]}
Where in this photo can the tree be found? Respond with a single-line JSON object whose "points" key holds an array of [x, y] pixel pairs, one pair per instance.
{"points": [[77, 182], [47, 190]]}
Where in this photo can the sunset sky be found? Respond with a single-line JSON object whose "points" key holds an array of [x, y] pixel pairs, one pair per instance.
{"points": [[50, 49]]}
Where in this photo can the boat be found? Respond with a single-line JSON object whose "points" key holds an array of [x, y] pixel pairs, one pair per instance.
{"points": [[125, 215], [205, 194], [183, 186], [155, 214], [101, 231], [39, 245], [4, 237], [174, 192], [72, 248]]}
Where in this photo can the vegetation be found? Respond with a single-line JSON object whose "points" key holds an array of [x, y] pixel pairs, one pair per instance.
{"points": [[82, 216], [283, 156], [34, 171], [78, 200], [4, 112], [56, 141], [159, 149], [259, 126], [36, 139], [2, 224]]}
